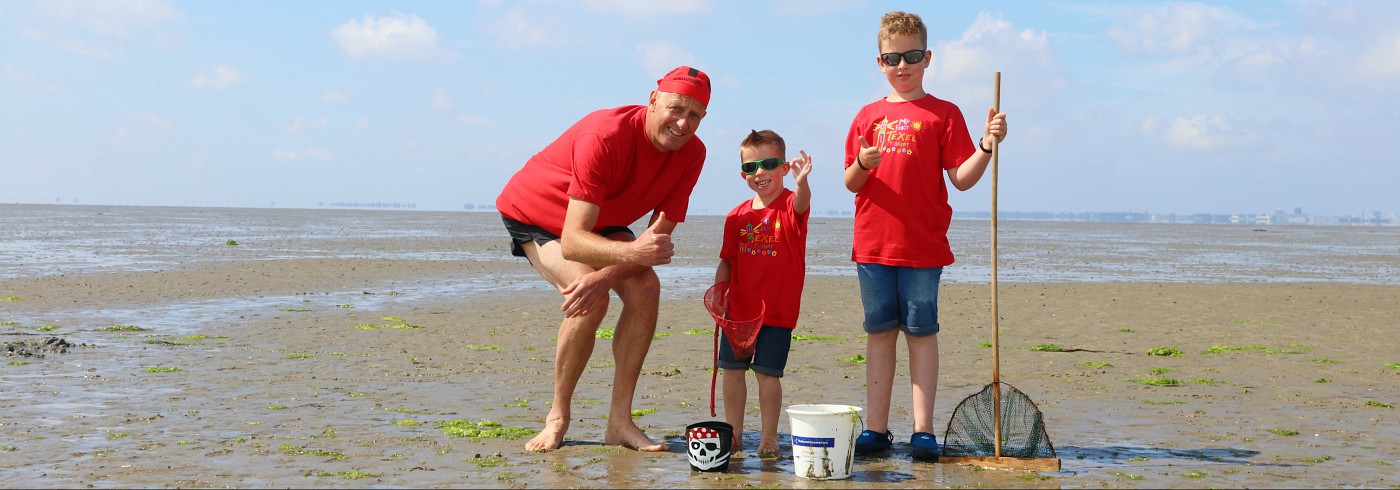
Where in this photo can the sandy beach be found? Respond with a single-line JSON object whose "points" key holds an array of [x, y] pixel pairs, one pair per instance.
{"points": [[320, 377]]}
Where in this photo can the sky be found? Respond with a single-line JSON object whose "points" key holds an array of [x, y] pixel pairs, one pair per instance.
{"points": [[1162, 107]]}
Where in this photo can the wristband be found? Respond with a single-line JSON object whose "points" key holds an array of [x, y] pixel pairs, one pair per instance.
{"points": [[983, 148], [862, 167]]}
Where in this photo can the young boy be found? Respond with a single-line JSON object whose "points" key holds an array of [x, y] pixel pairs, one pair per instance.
{"points": [[895, 151], [763, 259]]}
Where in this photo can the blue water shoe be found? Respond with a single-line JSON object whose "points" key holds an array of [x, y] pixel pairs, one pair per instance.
{"points": [[873, 442], [925, 447]]}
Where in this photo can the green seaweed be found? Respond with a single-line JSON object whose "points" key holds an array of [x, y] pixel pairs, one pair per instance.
{"points": [[1165, 351], [699, 331], [800, 337], [1095, 364], [1284, 432], [856, 359], [1047, 348], [1156, 381], [123, 328], [1371, 403], [485, 429], [171, 369]]}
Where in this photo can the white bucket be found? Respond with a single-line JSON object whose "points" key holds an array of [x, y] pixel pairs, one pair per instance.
{"points": [[823, 440]]}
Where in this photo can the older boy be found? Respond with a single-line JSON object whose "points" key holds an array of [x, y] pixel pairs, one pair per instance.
{"points": [[895, 151]]}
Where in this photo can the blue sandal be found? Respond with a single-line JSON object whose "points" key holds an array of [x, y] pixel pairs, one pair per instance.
{"points": [[925, 447], [873, 442]]}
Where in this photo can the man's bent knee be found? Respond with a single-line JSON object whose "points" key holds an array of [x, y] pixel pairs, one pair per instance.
{"points": [[644, 285]]}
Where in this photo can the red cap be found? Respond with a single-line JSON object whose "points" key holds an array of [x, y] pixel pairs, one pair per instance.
{"points": [[687, 81]]}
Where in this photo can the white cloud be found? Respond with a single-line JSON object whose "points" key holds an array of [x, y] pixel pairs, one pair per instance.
{"points": [[117, 18], [964, 67], [302, 125], [442, 100], [1206, 133], [1173, 29], [1381, 60], [223, 76], [284, 155], [521, 29], [102, 29], [397, 36], [660, 57], [1149, 125], [645, 8]]}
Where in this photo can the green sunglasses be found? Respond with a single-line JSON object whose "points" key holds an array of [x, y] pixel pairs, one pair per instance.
{"points": [[768, 164]]}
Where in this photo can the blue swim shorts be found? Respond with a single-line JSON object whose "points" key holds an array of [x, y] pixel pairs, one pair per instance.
{"points": [[770, 352], [903, 297]]}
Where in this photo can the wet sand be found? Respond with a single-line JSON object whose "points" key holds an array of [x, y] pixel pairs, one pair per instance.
{"points": [[318, 377]]}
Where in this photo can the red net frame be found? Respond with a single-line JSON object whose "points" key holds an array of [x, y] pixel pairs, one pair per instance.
{"points": [[742, 335]]}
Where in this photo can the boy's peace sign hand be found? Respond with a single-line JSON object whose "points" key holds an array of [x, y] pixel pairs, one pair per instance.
{"points": [[801, 166], [868, 156]]}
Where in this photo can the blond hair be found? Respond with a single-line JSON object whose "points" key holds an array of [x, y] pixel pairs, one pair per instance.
{"points": [[900, 23], [757, 138]]}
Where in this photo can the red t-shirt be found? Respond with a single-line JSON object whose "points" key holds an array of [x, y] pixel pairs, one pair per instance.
{"points": [[767, 253], [605, 159], [902, 212]]}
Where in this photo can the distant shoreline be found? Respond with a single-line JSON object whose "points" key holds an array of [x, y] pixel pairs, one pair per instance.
{"points": [[1278, 218]]}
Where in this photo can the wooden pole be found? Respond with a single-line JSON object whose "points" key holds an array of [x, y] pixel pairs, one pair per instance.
{"points": [[996, 318]]}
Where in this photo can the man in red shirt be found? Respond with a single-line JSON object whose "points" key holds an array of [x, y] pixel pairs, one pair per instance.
{"points": [[568, 212]]}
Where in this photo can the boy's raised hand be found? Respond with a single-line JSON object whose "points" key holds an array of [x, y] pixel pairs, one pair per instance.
{"points": [[801, 166], [653, 247], [869, 156]]}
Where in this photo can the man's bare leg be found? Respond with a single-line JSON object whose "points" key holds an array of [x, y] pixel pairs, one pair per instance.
{"points": [[641, 297], [572, 351], [571, 355]]}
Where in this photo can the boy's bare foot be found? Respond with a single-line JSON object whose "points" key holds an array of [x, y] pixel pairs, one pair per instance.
{"points": [[628, 435], [767, 449], [551, 436]]}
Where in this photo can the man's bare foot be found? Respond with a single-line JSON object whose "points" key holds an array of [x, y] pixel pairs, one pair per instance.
{"points": [[628, 435], [767, 449], [551, 436]]}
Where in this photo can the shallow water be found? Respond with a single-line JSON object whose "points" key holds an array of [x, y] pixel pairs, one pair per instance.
{"points": [[48, 240]]}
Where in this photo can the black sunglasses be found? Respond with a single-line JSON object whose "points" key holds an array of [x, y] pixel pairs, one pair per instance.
{"points": [[911, 57], [768, 164]]}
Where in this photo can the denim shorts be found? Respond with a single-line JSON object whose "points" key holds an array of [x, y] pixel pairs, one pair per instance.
{"points": [[903, 297], [770, 352]]}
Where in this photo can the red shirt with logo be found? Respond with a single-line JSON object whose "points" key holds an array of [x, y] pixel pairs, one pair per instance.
{"points": [[902, 212], [767, 253], [605, 159]]}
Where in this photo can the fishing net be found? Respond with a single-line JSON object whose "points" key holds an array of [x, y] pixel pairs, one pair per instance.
{"points": [[741, 335], [972, 431]]}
